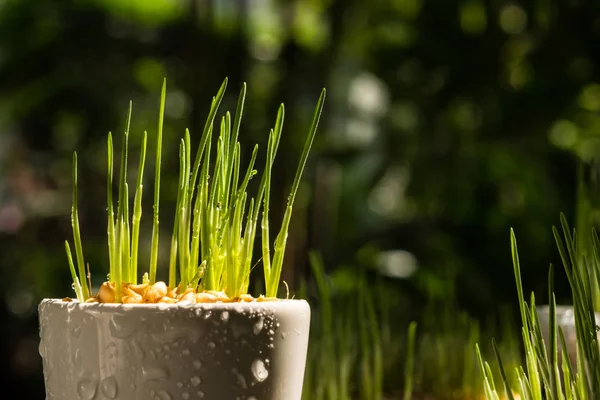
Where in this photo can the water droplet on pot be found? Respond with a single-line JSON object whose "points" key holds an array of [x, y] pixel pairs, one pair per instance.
{"points": [[259, 370], [200, 394], [240, 379], [224, 316], [258, 326], [252, 398], [197, 364], [185, 352], [108, 387], [86, 389], [185, 395], [195, 380], [297, 332], [207, 315], [211, 345], [137, 350], [154, 373], [162, 395], [120, 326], [76, 331], [77, 357], [185, 304], [283, 334], [179, 385]]}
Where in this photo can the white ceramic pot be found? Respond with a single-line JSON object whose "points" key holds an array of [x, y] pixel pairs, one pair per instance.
{"points": [[218, 351], [565, 319]]}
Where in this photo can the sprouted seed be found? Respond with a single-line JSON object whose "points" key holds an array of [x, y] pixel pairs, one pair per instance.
{"points": [[215, 223]]}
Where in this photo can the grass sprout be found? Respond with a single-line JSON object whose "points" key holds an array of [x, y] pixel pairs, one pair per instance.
{"points": [[544, 375], [216, 219]]}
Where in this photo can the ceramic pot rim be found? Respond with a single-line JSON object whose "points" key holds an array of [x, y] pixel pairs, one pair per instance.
{"points": [[183, 305]]}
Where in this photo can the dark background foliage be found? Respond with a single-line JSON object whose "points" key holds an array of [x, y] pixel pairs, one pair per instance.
{"points": [[446, 123]]}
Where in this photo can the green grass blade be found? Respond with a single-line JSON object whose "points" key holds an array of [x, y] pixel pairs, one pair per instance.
{"points": [[177, 231], [155, 229], [205, 215], [196, 227], [111, 214], [126, 237], [76, 284], [409, 367], [185, 220], [530, 352], [122, 270], [207, 132], [266, 251], [239, 111], [517, 271], [566, 362], [246, 256], [261, 187], [281, 240], [234, 282], [507, 389], [553, 364], [77, 234], [375, 339], [137, 213]]}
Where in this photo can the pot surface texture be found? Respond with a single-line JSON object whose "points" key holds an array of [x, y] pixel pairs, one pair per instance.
{"points": [[217, 351]]}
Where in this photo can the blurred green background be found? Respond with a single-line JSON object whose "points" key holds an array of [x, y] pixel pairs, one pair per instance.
{"points": [[446, 123]]}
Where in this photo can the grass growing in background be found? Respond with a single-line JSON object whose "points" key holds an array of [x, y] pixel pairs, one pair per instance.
{"points": [[544, 376], [359, 351], [216, 220], [585, 200]]}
